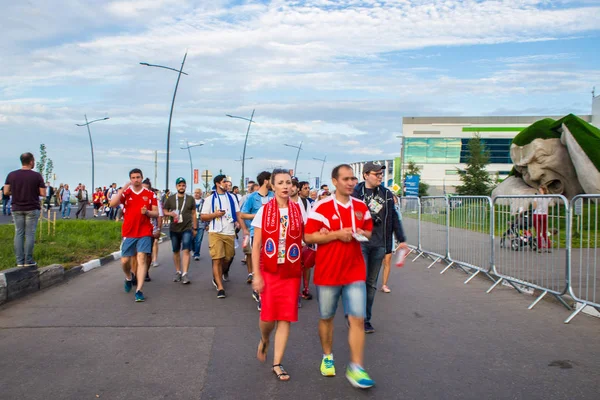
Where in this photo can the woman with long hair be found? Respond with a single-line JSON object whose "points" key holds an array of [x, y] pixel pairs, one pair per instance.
{"points": [[276, 252]]}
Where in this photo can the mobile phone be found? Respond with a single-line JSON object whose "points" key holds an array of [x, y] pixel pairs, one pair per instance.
{"points": [[359, 237]]}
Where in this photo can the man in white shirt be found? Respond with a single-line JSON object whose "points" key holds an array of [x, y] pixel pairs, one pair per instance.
{"points": [[221, 211]]}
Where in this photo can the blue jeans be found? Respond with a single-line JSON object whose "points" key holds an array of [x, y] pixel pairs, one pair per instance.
{"points": [[181, 240], [65, 209], [373, 259], [6, 206], [198, 241], [25, 225]]}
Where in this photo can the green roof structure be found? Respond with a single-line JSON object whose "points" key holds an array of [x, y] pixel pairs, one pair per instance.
{"points": [[586, 134]]}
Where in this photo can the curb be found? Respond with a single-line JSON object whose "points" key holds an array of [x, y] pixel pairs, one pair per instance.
{"points": [[18, 282]]}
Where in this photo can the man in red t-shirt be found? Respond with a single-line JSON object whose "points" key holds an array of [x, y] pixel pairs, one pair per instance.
{"points": [[140, 205], [337, 224]]}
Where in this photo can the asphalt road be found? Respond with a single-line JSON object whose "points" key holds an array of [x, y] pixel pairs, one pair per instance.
{"points": [[436, 338]]}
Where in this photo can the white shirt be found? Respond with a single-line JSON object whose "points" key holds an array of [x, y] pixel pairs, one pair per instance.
{"points": [[542, 205], [283, 225], [224, 224], [304, 211]]}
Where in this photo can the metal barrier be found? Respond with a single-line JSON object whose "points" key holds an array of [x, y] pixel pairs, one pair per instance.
{"points": [[584, 241], [470, 234], [541, 260], [434, 228], [410, 212]]}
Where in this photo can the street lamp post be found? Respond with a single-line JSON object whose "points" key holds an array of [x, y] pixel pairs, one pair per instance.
{"points": [[250, 121], [297, 154], [179, 72], [323, 160], [188, 147], [87, 124], [243, 184]]}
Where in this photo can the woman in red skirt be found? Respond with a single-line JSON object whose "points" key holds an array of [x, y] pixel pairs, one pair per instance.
{"points": [[276, 251]]}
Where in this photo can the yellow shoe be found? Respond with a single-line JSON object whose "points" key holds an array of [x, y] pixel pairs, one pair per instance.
{"points": [[328, 366]]}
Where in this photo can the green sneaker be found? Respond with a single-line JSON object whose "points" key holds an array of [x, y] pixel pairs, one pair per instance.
{"points": [[328, 366], [359, 378]]}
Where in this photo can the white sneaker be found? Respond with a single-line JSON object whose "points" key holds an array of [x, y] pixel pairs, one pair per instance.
{"points": [[385, 289]]}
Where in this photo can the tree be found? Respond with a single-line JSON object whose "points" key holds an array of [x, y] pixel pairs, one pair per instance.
{"points": [[476, 179], [45, 165], [413, 169]]}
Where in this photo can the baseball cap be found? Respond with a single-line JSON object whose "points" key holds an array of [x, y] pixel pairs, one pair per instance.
{"points": [[373, 166], [179, 180]]}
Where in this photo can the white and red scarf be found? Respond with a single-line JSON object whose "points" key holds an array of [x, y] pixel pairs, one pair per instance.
{"points": [[271, 226]]}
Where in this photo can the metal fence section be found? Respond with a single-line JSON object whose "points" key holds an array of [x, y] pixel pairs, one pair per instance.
{"points": [[584, 240], [410, 213], [434, 228], [470, 234], [531, 246]]}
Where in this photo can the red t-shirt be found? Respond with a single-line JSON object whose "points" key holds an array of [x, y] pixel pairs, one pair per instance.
{"points": [[135, 224], [339, 263]]}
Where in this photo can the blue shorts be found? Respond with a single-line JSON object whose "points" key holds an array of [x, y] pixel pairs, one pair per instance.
{"points": [[354, 299], [182, 240], [131, 246]]}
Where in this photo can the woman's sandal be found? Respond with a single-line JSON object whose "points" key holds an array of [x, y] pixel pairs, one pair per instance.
{"points": [[261, 354], [283, 376]]}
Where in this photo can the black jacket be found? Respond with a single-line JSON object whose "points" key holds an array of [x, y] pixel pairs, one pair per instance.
{"points": [[390, 220]]}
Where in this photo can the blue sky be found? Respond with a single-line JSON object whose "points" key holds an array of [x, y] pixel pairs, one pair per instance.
{"points": [[336, 75]]}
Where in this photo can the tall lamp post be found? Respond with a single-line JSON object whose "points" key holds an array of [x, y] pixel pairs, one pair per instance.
{"points": [[250, 121], [87, 124], [323, 160], [188, 147], [297, 154], [243, 185], [179, 72]]}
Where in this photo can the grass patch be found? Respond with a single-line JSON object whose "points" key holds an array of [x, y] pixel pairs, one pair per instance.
{"points": [[75, 242]]}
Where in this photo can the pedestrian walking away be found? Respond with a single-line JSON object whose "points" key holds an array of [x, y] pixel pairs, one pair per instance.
{"points": [[386, 223], [252, 204], [26, 186], [278, 230], [299, 194], [540, 220], [140, 206], [83, 201], [337, 224], [49, 195], [202, 226], [110, 192], [221, 211], [184, 225], [65, 202]]}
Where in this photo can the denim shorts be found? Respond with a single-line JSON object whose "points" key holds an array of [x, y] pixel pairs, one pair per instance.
{"points": [[182, 241], [354, 299], [131, 246]]}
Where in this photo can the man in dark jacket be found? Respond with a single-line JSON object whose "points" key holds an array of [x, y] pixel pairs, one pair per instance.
{"points": [[385, 223]]}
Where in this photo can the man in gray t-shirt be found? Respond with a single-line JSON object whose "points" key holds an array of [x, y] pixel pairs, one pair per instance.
{"points": [[184, 225]]}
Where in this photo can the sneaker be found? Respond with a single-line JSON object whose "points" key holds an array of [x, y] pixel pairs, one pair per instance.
{"points": [[196, 258], [359, 378], [215, 284], [226, 277], [258, 305], [221, 294], [147, 278], [154, 264], [139, 296], [369, 328], [256, 296], [128, 286], [306, 295], [133, 280], [177, 277], [185, 280], [249, 279], [328, 366], [385, 289], [244, 262]]}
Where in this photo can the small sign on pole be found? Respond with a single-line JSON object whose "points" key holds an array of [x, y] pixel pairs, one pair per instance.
{"points": [[196, 177]]}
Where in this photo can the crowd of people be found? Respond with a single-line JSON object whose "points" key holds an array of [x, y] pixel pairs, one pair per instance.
{"points": [[284, 231]]}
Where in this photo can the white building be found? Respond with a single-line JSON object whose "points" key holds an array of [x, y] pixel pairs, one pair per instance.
{"points": [[439, 144]]}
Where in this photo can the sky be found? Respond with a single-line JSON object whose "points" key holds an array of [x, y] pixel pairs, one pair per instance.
{"points": [[337, 76]]}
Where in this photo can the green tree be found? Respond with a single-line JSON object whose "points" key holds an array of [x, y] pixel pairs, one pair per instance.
{"points": [[45, 165], [413, 169], [476, 180]]}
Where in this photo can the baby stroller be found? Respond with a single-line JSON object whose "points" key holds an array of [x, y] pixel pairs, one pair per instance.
{"points": [[518, 236]]}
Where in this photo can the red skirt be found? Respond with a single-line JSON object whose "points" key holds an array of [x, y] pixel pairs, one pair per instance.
{"points": [[279, 298]]}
